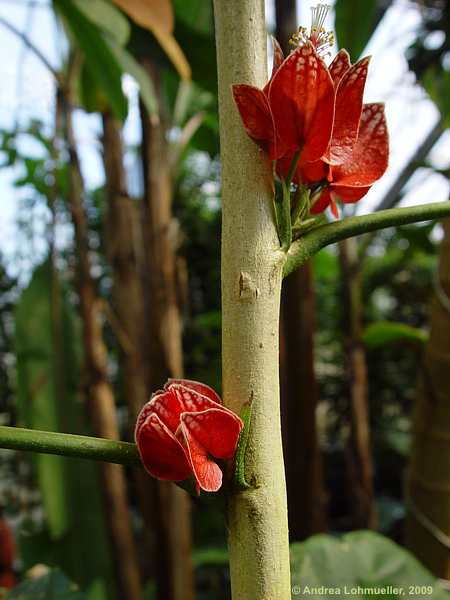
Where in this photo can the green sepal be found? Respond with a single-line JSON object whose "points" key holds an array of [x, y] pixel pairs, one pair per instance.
{"points": [[300, 205], [307, 225], [283, 214], [240, 481]]}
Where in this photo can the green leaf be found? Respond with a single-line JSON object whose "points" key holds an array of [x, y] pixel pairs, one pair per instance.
{"points": [[36, 392], [326, 266], [99, 59], [239, 469], [107, 17], [200, 52], [130, 65], [355, 22], [360, 558], [196, 14], [51, 586], [48, 342], [436, 81], [383, 333]]}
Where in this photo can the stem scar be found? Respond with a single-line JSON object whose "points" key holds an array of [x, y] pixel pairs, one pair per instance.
{"points": [[248, 291]]}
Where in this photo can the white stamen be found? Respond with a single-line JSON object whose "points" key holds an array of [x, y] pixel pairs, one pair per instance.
{"points": [[318, 16], [318, 36]]}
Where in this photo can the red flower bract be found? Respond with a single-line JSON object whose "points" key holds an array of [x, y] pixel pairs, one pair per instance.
{"points": [[181, 427], [294, 112], [359, 147], [316, 114]]}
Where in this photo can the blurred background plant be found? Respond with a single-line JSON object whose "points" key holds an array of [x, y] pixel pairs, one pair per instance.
{"points": [[110, 283]]}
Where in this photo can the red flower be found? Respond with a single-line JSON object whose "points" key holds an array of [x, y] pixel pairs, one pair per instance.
{"points": [[350, 180], [359, 146], [181, 427], [294, 112], [318, 112]]}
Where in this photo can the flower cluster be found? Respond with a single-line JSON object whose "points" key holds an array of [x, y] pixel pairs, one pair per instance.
{"points": [[311, 120], [181, 428]]}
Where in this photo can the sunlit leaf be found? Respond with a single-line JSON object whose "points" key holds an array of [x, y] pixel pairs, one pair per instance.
{"points": [[157, 17], [54, 585], [149, 13], [360, 558], [383, 333]]}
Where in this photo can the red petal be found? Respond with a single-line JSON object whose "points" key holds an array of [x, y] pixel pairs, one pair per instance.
{"points": [[341, 63], [168, 407], [322, 203], [162, 454], [194, 401], [201, 388], [256, 116], [348, 109], [314, 172], [206, 471], [333, 206], [301, 97], [191, 400], [349, 195], [278, 56], [369, 158], [216, 429]]}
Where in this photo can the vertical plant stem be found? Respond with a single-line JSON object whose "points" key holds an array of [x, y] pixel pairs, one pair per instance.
{"points": [[175, 571], [98, 390], [251, 284]]}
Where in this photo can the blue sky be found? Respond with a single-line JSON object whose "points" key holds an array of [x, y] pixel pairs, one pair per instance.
{"points": [[27, 92]]}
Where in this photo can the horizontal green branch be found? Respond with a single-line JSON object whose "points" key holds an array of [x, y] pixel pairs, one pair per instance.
{"points": [[67, 444], [316, 239]]}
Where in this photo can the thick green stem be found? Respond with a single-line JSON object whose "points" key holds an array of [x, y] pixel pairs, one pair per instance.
{"points": [[66, 444], [315, 240], [251, 284]]}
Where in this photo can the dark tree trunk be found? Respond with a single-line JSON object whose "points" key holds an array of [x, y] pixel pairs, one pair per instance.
{"points": [[428, 484], [126, 252], [299, 389], [299, 398], [175, 574], [359, 454], [98, 390]]}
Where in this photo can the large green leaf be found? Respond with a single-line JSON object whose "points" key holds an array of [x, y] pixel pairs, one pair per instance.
{"points": [[360, 558], [383, 333], [107, 17], [197, 14], [355, 22], [130, 65], [36, 392], [47, 347], [436, 81], [51, 586], [100, 61]]}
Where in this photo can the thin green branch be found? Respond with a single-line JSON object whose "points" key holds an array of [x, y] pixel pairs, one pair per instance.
{"points": [[67, 444], [313, 241]]}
